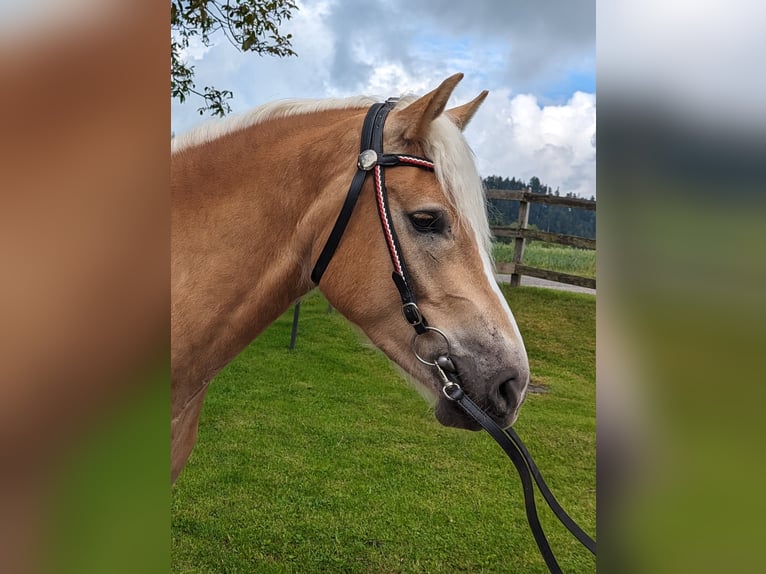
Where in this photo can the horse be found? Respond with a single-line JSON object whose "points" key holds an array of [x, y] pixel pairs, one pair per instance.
{"points": [[254, 204]]}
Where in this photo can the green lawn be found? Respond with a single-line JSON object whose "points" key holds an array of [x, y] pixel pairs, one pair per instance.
{"points": [[550, 256], [324, 460]]}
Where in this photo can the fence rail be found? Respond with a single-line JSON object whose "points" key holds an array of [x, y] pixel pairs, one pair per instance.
{"points": [[526, 195], [570, 240], [521, 233]]}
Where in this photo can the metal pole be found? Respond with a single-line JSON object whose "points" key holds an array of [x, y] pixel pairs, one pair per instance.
{"points": [[294, 333]]}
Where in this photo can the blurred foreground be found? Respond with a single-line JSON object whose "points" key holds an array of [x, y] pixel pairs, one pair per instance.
{"points": [[681, 311], [84, 295]]}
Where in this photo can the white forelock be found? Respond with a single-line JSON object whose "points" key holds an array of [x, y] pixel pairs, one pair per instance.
{"points": [[456, 171]]}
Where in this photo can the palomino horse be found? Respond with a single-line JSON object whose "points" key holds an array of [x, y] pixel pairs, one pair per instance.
{"points": [[254, 200]]}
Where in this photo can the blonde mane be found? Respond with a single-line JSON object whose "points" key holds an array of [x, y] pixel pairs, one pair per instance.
{"points": [[216, 128], [444, 145]]}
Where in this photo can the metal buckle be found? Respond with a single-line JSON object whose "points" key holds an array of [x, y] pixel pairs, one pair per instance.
{"points": [[412, 314], [449, 386], [415, 351]]}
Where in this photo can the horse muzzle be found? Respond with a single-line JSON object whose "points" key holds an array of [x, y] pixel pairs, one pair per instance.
{"points": [[500, 394]]}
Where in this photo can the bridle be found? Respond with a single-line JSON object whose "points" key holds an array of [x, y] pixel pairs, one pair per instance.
{"points": [[372, 159]]}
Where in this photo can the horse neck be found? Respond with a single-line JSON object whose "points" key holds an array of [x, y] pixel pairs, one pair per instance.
{"points": [[248, 211]]}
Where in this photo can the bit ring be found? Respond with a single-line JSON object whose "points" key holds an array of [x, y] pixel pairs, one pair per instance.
{"points": [[415, 351]]}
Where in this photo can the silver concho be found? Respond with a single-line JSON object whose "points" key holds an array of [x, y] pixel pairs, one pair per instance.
{"points": [[367, 159]]}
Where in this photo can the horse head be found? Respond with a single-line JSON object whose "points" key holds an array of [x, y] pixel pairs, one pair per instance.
{"points": [[440, 221]]}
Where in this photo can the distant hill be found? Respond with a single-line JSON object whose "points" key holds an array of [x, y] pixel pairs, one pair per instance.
{"points": [[553, 218]]}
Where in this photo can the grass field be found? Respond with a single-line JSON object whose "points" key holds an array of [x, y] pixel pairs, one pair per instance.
{"points": [[550, 256], [324, 460]]}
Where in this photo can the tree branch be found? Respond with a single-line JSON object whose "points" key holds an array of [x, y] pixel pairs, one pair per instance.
{"points": [[249, 25]]}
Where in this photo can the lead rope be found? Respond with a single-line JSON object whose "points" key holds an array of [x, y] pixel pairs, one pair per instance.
{"points": [[372, 159], [525, 465]]}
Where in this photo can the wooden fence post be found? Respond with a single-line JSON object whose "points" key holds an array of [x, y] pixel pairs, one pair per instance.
{"points": [[519, 242]]}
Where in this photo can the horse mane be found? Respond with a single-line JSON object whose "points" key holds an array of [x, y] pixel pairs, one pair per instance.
{"points": [[444, 144], [216, 128]]}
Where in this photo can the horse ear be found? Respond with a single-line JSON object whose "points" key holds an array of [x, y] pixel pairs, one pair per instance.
{"points": [[461, 115], [416, 117]]}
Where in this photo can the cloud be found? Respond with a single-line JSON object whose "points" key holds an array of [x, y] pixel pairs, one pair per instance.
{"points": [[525, 52], [195, 51], [527, 44], [516, 136]]}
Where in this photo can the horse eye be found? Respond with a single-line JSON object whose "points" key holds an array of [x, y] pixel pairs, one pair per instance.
{"points": [[427, 221]]}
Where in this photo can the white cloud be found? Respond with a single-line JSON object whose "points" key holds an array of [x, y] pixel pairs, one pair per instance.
{"points": [[517, 137], [195, 51], [392, 79], [339, 56]]}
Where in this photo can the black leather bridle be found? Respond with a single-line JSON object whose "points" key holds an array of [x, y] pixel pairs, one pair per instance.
{"points": [[372, 159]]}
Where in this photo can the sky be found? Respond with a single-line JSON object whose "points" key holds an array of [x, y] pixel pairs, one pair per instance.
{"points": [[536, 57]]}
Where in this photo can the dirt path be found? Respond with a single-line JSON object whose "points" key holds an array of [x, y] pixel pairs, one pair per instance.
{"points": [[527, 281]]}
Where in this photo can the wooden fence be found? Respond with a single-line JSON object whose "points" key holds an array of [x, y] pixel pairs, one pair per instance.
{"points": [[521, 233]]}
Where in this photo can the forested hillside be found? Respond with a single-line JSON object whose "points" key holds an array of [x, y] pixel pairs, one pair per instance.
{"points": [[553, 218]]}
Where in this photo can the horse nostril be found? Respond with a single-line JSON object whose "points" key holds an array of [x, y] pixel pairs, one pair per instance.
{"points": [[507, 392]]}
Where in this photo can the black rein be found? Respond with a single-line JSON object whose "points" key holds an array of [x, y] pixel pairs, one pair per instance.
{"points": [[372, 160]]}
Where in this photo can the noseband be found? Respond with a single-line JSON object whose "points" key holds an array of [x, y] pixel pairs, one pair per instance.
{"points": [[372, 159]]}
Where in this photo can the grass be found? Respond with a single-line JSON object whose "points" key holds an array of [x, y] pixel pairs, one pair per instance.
{"points": [[324, 460], [550, 256]]}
